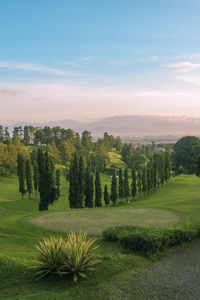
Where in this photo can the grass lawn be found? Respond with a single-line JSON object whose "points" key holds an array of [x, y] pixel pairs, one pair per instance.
{"points": [[178, 201]]}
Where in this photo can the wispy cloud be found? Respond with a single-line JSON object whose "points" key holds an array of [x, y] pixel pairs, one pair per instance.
{"points": [[13, 92], [154, 58], [186, 65], [32, 67]]}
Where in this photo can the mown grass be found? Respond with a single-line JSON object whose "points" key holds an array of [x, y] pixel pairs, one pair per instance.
{"points": [[18, 238]]}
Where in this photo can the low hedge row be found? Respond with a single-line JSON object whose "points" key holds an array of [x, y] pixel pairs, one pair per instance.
{"points": [[150, 240]]}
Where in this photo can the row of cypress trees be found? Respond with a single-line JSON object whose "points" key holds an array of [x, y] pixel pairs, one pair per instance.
{"points": [[84, 190], [146, 179], [39, 174]]}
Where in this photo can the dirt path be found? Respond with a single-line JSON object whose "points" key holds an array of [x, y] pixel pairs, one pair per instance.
{"points": [[174, 277]]}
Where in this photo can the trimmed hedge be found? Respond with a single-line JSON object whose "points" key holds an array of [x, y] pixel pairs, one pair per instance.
{"points": [[150, 240]]}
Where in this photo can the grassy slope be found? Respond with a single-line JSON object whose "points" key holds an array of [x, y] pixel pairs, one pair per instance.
{"points": [[18, 239]]}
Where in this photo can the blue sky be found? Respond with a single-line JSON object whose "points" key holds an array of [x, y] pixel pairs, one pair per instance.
{"points": [[86, 59]]}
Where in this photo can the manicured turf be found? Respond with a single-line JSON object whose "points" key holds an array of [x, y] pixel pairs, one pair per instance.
{"points": [[95, 220], [181, 197]]}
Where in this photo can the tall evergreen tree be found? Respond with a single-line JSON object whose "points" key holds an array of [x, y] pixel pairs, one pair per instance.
{"points": [[106, 195], [98, 190], [50, 180], [113, 195], [29, 177], [148, 174], [81, 182], [57, 184], [47, 187], [89, 188], [26, 135], [126, 185], [144, 180], [21, 173], [133, 184], [121, 185], [43, 204], [155, 167], [35, 176], [161, 169], [74, 183], [167, 166], [139, 181]]}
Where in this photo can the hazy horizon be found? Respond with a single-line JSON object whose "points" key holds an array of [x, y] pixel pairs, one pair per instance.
{"points": [[86, 60]]}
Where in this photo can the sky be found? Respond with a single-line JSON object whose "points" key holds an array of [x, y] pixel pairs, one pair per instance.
{"points": [[90, 59]]}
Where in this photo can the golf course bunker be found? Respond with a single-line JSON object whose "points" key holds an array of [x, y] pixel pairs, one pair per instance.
{"points": [[97, 219]]}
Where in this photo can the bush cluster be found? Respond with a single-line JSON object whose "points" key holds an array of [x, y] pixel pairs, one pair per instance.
{"points": [[150, 240], [74, 256]]}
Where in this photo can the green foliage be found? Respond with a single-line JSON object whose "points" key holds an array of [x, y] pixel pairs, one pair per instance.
{"points": [[113, 195], [151, 240], [134, 184], [186, 152], [21, 173], [81, 186], [121, 185], [57, 184], [126, 184], [144, 180], [98, 190], [29, 177], [47, 187], [89, 188], [74, 183], [106, 195], [75, 256]]}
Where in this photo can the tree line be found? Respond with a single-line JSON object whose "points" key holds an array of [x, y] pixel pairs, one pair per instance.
{"points": [[86, 191], [38, 174]]}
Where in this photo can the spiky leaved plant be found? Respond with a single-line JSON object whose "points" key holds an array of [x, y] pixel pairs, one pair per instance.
{"points": [[50, 256], [75, 256], [79, 255]]}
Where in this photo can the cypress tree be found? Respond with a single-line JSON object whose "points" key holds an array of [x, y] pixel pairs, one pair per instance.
{"points": [[154, 173], [50, 180], [144, 180], [161, 167], [98, 190], [133, 184], [21, 174], [28, 175], [113, 196], [35, 176], [126, 185], [106, 195], [167, 166], [47, 187], [121, 185], [57, 184], [81, 182], [74, 183], [89, 188], [139, 181], [43, 204], [148, 177]]}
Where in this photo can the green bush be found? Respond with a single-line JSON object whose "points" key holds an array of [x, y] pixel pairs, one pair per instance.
{"points": [[150, 240], [74, 256]]}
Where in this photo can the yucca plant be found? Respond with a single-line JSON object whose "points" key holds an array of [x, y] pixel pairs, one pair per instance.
{"points": [[74, 256], [79, 255], [49, 255]]}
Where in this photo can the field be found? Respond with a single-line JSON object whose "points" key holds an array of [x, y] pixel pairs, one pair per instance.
{"points": [[119, 274]]}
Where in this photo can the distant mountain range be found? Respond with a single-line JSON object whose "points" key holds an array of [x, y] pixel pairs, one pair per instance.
{"points": [[131, 125]]}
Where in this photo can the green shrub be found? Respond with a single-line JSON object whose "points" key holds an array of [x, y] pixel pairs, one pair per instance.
{"points": [[49, 255], [74, 256], [150, 240]]}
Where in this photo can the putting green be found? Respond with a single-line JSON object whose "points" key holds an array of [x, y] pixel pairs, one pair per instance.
{"points": [[95, 220]]}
